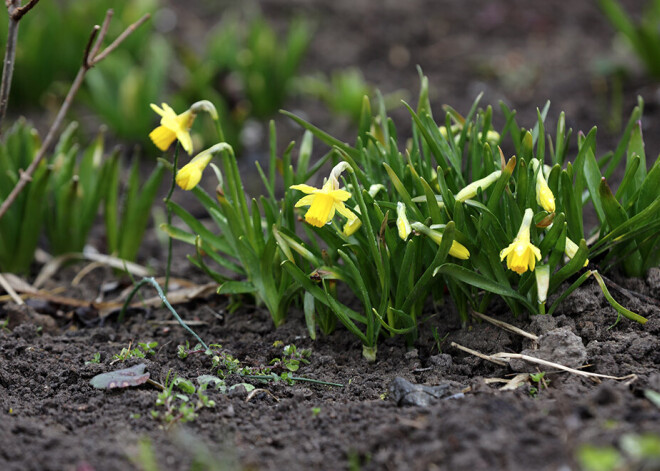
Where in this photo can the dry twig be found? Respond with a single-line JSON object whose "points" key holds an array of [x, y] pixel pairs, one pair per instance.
{"points": [[505, 326], [16, 12], [91, 57], [503, 359]]}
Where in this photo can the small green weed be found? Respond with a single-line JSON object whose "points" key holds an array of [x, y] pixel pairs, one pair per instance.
{"points": [[95, 359], [141, 351]]}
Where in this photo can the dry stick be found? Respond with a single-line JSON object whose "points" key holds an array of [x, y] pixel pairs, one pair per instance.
{"points": [[88, 62], [16, 12], [503, 359], [10, 291], [505, 326], [539, 361]]}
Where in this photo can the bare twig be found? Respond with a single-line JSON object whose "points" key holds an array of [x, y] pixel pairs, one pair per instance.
{"points": [[538, 361], [504, 358], [18, 12], [120, 39], [10, 291], [10, 57], [480, 355], [99, 39], [88, 62], [505, 326]]}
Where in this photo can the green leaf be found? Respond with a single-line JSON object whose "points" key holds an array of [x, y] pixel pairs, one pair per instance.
{"points": [[472, 278], [650, 189], [236, 287], [593, 177], [571, 207], [323, 136], [573, 266], [619, 308]]}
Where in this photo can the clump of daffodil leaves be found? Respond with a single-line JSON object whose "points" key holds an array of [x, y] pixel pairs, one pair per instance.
{"points": [[402, 223]]}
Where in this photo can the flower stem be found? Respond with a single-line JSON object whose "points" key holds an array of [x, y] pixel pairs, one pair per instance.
{"points": [[169, 217]]}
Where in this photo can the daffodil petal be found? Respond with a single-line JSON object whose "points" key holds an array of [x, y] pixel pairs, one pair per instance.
{"points": [[157, 110], [305, 201], [344, 211], [305, 188], [341, 195], [185, 140]]}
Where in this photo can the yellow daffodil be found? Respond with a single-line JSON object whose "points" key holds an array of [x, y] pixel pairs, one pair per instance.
{"points": [[544, 196], [402, 223], [325, 201], [470, 191], [190, 174], [352, 225], [522, 254], [457, 249], [571, 249], [172, 126]]}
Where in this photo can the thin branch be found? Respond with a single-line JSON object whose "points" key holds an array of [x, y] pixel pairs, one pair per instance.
{"points": [[18, 13], [505, 326], [75, 86], [90, 44], [97, 45], [121, 38], [10, 58]]}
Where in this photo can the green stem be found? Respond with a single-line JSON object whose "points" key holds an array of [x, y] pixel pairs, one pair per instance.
{"points": [[169, 216], [152, 281], [294, 378]]}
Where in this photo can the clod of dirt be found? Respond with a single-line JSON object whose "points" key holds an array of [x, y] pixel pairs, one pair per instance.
{"points": [[653, 278], [405, 393], [442, 362], [559, 346], [24, 314]]}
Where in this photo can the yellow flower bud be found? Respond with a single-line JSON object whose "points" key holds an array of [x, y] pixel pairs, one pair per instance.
{"points": [[457, 249], [571, 249], [544, 196], [470, 191], [402, 223]]}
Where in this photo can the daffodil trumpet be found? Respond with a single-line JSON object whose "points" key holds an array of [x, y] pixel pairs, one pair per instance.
{"points": [[190, 174], [324, 202], [521, 254]]}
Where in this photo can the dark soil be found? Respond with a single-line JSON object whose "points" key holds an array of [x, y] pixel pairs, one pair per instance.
{"points": [[52, 419]]}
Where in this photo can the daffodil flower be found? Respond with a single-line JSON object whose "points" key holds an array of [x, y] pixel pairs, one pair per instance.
{"points": [[190, 174], [172, 127], [544, 196], [402, 224], [325, 201], [522, 254], [457, 249]]}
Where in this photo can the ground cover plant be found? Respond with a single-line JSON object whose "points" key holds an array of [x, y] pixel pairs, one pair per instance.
{"points": [[426, 285]]}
